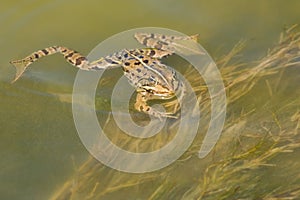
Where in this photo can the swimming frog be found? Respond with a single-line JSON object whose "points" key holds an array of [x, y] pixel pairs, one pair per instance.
{"points": [[151, 78]]}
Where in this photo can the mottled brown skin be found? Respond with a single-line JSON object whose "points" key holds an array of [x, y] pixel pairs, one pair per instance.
{"points": [[151, 78]]}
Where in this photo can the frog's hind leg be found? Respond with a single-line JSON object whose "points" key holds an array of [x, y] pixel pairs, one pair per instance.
{"points": [[71, 56], [172, 44], [142, 106]]}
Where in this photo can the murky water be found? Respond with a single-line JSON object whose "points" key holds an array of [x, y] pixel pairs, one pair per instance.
{"points": [[39, 145]]}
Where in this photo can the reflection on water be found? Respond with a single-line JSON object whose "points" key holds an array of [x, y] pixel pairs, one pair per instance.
{"points": [[40, 149]]}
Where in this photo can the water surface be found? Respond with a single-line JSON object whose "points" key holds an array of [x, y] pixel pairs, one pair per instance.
{"points": [[39, 145]]}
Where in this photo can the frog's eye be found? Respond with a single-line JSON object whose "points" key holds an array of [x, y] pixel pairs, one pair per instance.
{"points": [[152, 79], [174, 74]]}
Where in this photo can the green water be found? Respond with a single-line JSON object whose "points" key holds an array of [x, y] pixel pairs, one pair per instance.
{"points": [[39, 146]]}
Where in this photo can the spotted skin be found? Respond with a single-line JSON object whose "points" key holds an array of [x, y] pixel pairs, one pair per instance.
{"points": [[143, 68], [167, 43]]}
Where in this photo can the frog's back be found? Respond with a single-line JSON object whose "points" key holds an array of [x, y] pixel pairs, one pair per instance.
{"points": [[147, 71]]}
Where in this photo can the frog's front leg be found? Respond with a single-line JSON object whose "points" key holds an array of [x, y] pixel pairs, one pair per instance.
{"points": [[142, 106], [73, 57]]}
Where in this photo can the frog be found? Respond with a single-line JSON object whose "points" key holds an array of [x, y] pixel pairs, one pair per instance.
{"points": [[152, 79]]}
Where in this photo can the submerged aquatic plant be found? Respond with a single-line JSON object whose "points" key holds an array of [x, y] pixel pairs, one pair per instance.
{"points": [[252, 160]]}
